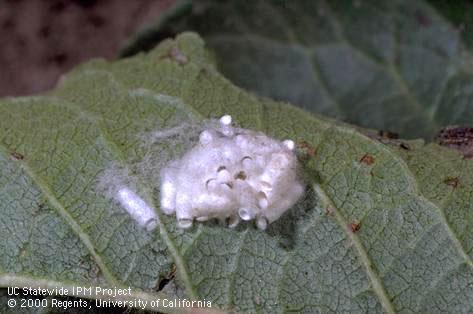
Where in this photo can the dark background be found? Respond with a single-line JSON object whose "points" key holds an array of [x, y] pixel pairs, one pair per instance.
{"points": [[42, 39]]}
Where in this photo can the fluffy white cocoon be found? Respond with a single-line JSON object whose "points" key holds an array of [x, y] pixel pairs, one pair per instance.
{"points": [[231, 173], [137, 208]]}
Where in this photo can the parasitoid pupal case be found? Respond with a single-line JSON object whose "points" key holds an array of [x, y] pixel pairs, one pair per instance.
{"points": [[232, 173]]}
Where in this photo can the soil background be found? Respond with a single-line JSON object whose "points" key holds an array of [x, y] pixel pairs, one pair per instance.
{"points": [[42, 39]]}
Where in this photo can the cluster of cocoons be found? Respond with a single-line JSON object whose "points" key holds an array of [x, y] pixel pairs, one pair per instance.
{"points": [[232, 174]]}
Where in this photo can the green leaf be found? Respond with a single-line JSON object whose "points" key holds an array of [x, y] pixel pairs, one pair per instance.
{"points": [[460, 14], [392, 65], [382, 227]]}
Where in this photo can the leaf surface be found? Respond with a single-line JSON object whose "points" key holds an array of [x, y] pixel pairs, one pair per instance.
{"points": [[411, 249], [393, 65]]}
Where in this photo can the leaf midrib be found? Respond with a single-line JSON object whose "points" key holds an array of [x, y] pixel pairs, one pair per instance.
{"points": [[404, 90], [377, 286], [340, 220], [56, 204], [180, 265], [376, 282]]}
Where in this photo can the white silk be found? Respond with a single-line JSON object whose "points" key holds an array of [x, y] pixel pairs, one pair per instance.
{"points": [[232, 173]]}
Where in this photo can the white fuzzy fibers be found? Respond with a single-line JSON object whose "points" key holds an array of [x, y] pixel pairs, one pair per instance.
{"points": [[231, 173]]}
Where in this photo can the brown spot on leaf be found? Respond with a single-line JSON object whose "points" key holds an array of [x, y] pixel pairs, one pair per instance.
{"points": [[459, 138], [40, 207], [387, 137], [307, 148], [355, 226], [388, 134], [17, 156], [329, 210], [453, 182], [367, 159], [404, 146]]}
